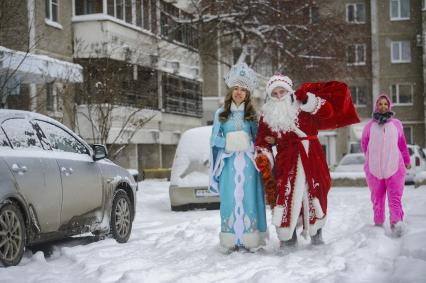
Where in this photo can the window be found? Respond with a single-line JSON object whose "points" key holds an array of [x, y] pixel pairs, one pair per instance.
{"points": [[355, 13], [52, 7], [141, 13], [86, 7], [182, 96], [312, 15], [22, 134], [402, 94], [423, 4], [408, 133], [356, 54], [172, 29], [399, 10], [50, 97], [400, 52], [58, 139], [128, 11], [359, 95]]}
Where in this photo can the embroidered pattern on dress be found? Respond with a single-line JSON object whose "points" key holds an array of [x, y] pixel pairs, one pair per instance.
{"points": [[237, 119]]}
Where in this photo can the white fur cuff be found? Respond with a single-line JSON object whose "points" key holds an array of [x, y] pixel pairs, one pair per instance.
{"points": [[311, 104], [277, 215]]}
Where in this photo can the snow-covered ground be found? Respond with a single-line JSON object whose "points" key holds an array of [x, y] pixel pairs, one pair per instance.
{"points": [[183, 247]]}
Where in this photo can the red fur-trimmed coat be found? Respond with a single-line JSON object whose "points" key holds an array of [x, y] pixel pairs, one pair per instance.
{"points": [[299, 153]]}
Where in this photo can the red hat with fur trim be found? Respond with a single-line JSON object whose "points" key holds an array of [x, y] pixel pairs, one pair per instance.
{"points": [[279, 80]]}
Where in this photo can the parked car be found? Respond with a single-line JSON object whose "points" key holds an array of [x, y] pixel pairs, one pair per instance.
{"points": [[54, 185], [352, 162], [418, 162], [190, 172]]}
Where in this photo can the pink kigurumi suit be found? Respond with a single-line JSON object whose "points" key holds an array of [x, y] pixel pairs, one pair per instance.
{"points": [[386, 157]]}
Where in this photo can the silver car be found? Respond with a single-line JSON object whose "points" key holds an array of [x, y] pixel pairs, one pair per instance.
{"points": [[54, 185]]}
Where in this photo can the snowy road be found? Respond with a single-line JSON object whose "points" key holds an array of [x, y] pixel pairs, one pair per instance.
{"points": [[183, 247]]}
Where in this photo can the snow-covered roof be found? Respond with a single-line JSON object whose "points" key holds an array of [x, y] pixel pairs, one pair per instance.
{"points": [[35, 68]]}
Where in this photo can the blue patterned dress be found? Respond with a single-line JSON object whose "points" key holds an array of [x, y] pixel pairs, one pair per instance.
{"points": [[235, 177]]}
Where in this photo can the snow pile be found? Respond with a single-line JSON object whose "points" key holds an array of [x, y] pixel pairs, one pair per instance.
{"points": [[182, 247]]}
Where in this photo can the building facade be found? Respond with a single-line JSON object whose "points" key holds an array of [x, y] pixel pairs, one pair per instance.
{"points": [[142, 79]]}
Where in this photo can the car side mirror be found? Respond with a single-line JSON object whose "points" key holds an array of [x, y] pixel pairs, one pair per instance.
{"points": [[100, 152]]}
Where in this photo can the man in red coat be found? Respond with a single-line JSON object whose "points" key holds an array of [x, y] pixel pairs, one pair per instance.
{"points": [[291, 121]]}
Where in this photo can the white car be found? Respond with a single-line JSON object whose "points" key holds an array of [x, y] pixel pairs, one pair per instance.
{"points": [[352, 162], [418, 162], [189, 179]]}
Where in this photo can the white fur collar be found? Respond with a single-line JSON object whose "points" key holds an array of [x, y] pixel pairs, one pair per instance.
{"points": [[234, 107]]}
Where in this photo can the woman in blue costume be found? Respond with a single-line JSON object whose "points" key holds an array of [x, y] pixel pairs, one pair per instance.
{"points": [[233, 172]]}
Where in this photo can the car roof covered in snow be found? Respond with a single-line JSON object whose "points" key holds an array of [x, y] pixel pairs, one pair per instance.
{"points": [[11, 113]]}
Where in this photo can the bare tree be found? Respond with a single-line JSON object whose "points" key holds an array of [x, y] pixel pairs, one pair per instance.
{"points": [[298, 38], [116, 99]]}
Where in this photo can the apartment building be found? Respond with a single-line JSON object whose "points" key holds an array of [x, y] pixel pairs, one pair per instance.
{"points": [[140, 63], [36, 55], [386, 57]]}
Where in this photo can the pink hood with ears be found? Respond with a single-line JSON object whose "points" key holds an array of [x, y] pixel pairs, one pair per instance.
{"points": [[383, 95]]}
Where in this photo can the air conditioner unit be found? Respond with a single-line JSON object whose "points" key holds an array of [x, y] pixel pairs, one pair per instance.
{"points": [[195, 71], [153, 60], [175, 66]]}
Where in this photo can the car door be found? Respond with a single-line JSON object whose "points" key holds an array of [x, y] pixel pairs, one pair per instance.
{"points": [[80, 175], [35, 173]]}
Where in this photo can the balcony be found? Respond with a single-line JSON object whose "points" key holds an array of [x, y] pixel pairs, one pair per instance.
{"points": [[129, 31]]}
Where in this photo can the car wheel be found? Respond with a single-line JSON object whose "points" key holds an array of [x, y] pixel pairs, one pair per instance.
{"points": [[121, 217], [12, 235]]}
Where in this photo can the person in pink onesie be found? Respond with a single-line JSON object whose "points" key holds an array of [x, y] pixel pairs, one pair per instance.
{"points": [[386, 159]]}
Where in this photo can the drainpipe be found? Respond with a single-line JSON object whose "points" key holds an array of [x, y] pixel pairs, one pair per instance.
{"points": [[31, 46], [424, 66], [375, 51]]}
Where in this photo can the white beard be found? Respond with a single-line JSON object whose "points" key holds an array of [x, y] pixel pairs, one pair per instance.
{"points": [[281, 115]]}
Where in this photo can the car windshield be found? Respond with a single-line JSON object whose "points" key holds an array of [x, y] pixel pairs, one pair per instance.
{"points": [[353, 160]]}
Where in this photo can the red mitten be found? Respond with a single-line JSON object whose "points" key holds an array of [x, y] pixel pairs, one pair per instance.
{"points": [[301, 95]]}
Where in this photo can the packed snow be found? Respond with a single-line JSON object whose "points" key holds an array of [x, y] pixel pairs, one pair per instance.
{"points": [[168, 246]]}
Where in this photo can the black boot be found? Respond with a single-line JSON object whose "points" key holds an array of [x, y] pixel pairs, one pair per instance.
{"points": [[290, 243], [317, 238]]}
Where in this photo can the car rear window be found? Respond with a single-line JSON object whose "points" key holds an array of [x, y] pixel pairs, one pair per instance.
{"points": [[353, 160], [21, 134]]}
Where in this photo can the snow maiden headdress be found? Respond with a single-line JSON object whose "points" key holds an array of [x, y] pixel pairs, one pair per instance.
{"points": [[241, 75]]}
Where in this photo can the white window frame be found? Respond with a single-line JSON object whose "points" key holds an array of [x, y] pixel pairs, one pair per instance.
{"points": [[423, 5], [357, 88], [357, 63], [396, 101], [399, 60], [311, 15], [399, 18], [48, 18], [355, 12]]}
